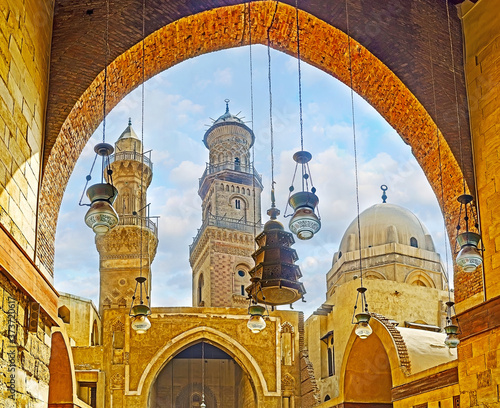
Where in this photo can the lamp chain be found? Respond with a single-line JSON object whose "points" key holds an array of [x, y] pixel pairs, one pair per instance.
{"points": [[142, 146], [456, 94], [106, 57], [203, 371], [354, 141], [252, 119], [445, 232], [300, 75], [271, 96]]}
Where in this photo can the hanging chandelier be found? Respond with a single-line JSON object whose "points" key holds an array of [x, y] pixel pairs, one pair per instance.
{"points": [[469, 256], [275, 277], [305, 221], [101, 216]]}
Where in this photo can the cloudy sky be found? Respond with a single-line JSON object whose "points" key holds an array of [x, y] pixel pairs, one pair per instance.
{"points": [[178, 106]]}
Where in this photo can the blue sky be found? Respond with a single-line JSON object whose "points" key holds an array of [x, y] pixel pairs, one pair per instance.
{"points": [[178, 106]]}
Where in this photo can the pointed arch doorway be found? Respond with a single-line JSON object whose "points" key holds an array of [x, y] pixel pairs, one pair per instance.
{"points": [[368, 380], [180, 383]]}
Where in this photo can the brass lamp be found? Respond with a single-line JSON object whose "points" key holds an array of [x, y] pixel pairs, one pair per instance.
{"points": [[304, 222], [363, 329], [469, 257], [452, 330], [139, 312]]}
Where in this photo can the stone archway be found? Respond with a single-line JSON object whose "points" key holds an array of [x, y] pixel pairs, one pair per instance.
{"points": [[187, 38], [186, 377]]}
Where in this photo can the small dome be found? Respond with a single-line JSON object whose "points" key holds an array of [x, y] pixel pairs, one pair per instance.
{"points": [[229, 119], [383, 224], [129, 132]]}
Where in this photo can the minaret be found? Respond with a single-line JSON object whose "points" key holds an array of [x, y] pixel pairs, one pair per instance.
{"points": [[120, 248], [230, 189]]}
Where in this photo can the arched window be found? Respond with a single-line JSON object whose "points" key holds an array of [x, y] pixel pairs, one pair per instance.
{"points": [[237, 204], [237, 190], [200, 290], [94, 341], [64, 314], [413, 242]]}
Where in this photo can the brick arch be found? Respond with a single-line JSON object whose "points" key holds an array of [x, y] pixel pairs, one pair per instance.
{"points": [[322, 45]]}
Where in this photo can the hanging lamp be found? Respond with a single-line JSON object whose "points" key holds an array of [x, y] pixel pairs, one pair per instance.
{"points": [[469, 256], [101, 216], [256, 323], [275, 277], [362, 320], [305, 221], [363, 328], [452, 330], [140, 311]]}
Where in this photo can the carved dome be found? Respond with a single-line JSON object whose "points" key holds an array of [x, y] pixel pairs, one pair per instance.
{"points": [[384, 224]]}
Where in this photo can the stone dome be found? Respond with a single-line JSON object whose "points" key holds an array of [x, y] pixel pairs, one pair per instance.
{"points": [[384, 224], [228, 119]]}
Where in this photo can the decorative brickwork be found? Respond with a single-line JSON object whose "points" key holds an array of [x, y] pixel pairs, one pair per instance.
{"points": [[404, 358]]}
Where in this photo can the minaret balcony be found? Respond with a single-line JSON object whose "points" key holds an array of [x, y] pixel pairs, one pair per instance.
{"points": [[151, 223], [133, 156], [227, 223], [230, 167]]}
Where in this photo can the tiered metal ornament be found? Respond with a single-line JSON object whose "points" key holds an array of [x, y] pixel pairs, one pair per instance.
{"points": [[304, 222], [139, 312], [275, 277], [452, 330], [101, 216], [469, 257]]}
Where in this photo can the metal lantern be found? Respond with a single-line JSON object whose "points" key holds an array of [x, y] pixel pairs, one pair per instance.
{"points": [[304, 222], [139, 312], [101, 216], [275, 277], [469, 256], [256, 323], [363, 329], [452, 330]]}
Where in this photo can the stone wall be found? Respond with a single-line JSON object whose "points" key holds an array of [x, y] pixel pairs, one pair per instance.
{"points": [[24, 355], [25, 40]]}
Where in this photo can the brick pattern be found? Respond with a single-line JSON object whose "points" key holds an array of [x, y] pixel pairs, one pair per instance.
{"points": [[323, 46]]}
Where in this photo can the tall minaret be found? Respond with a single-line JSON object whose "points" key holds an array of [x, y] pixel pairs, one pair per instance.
{"points": [[230, 188], [120, 248]]}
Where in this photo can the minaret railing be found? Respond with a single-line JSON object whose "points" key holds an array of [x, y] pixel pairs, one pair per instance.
{"points": [[227, 223], [151, 223], [131, 155], [234, 166]]}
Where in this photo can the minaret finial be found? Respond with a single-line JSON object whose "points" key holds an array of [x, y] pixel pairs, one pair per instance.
{"points": [[130, 121], [384, 188], [227, 105]]}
